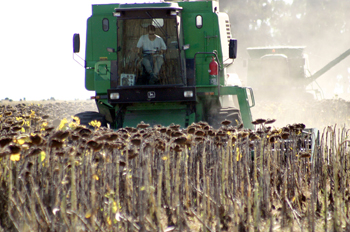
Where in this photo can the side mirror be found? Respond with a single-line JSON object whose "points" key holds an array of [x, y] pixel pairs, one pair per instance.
{"points": [[76, 43], [233, 49]]}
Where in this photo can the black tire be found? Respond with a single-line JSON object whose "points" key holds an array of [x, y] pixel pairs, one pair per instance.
{"points": [[88, 116]]}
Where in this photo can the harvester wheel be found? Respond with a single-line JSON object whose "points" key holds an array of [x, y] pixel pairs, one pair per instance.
{"points": [[88, 116]]}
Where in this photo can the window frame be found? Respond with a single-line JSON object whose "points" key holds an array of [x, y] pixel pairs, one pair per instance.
{"points": [[103, 24], [199, 26]]}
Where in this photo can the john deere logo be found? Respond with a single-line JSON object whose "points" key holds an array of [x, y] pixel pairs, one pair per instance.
{"points": [[151, 94]]}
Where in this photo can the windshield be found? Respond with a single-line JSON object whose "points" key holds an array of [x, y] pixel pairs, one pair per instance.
{"points": [[148, 52], [275, 70]]}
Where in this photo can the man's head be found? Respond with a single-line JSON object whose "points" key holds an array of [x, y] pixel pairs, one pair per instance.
{"points": [[151, 29]]}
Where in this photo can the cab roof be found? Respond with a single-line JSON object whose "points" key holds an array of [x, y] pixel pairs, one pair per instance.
{"points": [[290, 51], [145, 6]]}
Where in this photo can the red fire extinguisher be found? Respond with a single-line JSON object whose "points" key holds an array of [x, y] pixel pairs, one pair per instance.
{"points": [[213, 72]]}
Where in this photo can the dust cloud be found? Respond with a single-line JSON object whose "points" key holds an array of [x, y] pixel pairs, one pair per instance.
{"points": [[313, 113], [323, 28]]}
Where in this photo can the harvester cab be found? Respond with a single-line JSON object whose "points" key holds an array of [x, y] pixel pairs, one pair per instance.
{"points": [[276, 71], [162, 63]]}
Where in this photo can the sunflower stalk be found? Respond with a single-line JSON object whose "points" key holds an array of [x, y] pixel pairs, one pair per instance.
{"points": [[167, 164], [177, 200], [198, 187], [93, 193], [159, 197], [204, 205], [74, 204], [117, 181], [38, 199], [186, 160], [128, 181]]}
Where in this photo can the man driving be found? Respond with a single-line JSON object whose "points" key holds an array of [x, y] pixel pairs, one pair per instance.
{"points": [[151, 47]]}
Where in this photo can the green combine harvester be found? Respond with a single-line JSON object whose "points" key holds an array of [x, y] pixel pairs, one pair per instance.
{"points": [[189, 82], [280, 71]]}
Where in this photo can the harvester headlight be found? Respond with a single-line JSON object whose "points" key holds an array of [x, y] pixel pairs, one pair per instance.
{"points": [[116, 14], [114, 96], [188, 94], [173, 12]]}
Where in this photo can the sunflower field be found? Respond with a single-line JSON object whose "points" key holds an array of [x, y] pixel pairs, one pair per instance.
{"points": [[58, 175]]}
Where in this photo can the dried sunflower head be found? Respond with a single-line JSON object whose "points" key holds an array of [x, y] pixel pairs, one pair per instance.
{"points": [[270, 121], [142, 125], [174, 127], [259, 121], [56, 143], [199, 132], [226, 122], [180, 140], [191, 129], [14, 148], [5, 140], [136, 141]]}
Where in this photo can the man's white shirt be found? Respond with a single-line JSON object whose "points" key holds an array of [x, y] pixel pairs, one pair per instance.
{"points": [[149, 46]]}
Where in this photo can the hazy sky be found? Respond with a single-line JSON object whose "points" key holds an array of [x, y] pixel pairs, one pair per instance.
{"points": [[36, 48]]}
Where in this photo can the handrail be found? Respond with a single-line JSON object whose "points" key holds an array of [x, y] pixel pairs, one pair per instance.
{"points": [[219, 68], [251, 96]]}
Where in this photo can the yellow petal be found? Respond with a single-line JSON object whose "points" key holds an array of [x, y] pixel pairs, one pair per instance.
{"points": [[77, 119], [62, 124], [20, 141], [88, 214], [15, 157], [114, 207], [95, 124], [42, 156], [109, 221]]}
